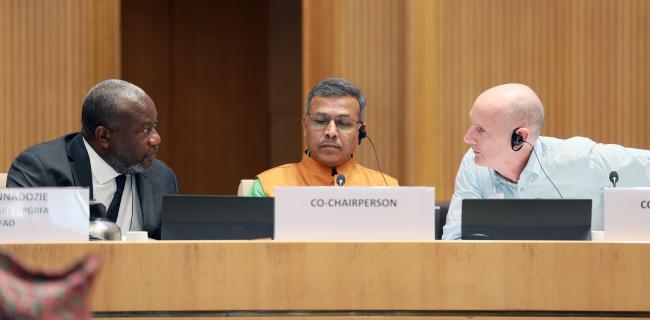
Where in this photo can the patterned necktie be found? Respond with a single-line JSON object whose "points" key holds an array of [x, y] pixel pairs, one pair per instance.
{"points": [[114, 208]]}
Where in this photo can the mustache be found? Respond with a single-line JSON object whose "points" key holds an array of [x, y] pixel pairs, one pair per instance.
{"points": [[326, 143], [152, 152]]}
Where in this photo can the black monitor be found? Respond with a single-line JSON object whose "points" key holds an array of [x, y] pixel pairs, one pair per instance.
{"points": [[193, 217], [526, 219]]}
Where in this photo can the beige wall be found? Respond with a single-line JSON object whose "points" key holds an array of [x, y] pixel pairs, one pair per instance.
{"points": [[422, 63], [51, 53]]}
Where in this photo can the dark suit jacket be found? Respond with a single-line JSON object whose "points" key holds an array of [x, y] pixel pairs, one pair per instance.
{"points": [[64, 162]]}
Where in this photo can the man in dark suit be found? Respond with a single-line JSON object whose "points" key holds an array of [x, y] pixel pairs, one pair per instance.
{"points": [[114, 155]]}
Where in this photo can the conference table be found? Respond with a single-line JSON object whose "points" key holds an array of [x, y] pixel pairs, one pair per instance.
{"points": [[350, 280]]}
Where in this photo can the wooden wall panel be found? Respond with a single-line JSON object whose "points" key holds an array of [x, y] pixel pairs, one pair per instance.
{"points": [[586, 59], [220, 106], [225, 76], [285, 82], [204, 64], [51, 54], [423, 123]]}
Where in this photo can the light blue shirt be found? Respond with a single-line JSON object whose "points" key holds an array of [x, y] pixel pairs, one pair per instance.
{"points": [[578, 166]]}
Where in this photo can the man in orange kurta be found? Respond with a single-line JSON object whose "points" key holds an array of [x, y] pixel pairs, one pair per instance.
{"points": [[333, 127]]}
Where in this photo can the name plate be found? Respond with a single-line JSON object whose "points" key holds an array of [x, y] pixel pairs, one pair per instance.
{"points": [[354, 213], [627, 214], [44, 215]]}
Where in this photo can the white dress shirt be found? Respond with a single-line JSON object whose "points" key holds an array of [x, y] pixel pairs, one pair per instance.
{"points": [[104, 187]]}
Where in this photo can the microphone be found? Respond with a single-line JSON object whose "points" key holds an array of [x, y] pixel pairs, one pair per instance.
{"points": [[613, 177], [97, 210], [101, 228], [340, 180]]}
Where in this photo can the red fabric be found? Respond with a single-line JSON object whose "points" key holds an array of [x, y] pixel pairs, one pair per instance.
{"points": [[46, 295]]}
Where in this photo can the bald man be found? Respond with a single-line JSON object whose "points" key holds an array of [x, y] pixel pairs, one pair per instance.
{"points": [[506, 122]]}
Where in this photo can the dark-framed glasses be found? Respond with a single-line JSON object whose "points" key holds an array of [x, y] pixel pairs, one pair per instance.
{"points": [[322, 120]]}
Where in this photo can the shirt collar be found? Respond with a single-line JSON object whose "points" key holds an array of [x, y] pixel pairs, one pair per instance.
{"points": [[102, 172], [496, 176]]}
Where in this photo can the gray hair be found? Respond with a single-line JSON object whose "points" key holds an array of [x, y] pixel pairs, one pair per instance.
{"points": [[337, 87], [529, 112], [100, 104]]}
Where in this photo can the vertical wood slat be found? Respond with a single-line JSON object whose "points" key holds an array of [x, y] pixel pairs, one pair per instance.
{"points": [[51, 53], [422, 97], [586, 59]]}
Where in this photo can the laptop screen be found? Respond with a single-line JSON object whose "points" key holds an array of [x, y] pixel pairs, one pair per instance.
{"points": [[526, 219], [193, 217]]}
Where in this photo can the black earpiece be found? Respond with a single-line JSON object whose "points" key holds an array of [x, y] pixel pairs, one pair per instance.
{"points": [[516, 141], [362, 132]]}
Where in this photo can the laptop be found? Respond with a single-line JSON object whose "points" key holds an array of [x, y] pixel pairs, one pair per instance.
{"points": [[526, 219], [193, 217]]}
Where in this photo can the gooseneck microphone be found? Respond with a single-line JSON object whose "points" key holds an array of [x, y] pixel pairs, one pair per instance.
{"points": [[340, 180], [613, 177]]}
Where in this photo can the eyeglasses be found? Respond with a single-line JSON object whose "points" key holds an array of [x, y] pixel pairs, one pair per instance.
{"points": [[322, 120]]}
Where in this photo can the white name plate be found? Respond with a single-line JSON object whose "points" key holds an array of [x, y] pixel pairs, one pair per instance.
{"points": [[44, 215], [627, 214], [354, 213]]}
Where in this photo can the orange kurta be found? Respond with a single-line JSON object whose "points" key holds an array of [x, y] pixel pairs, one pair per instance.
{"points": [[309, 172]]}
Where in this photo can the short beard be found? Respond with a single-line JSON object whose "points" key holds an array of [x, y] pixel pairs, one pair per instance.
{"points": [[122, 166]]}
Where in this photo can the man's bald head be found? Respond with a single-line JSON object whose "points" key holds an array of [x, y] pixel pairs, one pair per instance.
{"points": [[518, 103]]}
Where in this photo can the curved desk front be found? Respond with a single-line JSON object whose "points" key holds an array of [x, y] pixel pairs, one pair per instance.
{"points": [[411, 280]]}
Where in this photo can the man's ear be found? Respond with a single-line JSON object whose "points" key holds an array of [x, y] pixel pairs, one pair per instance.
{"points": [[103, 136]]}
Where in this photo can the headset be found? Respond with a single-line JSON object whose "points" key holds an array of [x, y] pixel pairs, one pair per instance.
{"points": [[362, 132]]}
